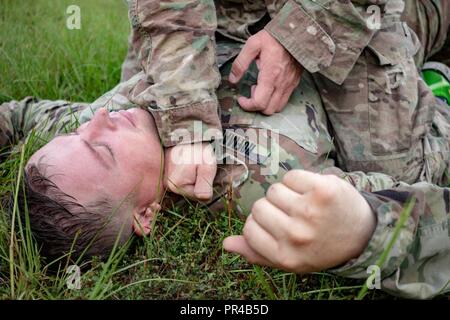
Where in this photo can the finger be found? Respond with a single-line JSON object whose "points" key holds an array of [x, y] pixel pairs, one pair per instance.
{"points": [[262, 93], [248, 53], [290, 202], [259, 239], [253, 90], [204, 183], [284, 100], [274, 103], [243, 101], [271, 218], [186, 190], [238, 244], [176, 177], [302, 181]]}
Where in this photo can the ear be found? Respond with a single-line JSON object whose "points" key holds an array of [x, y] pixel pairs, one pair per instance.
{"points": [[142, 224]]}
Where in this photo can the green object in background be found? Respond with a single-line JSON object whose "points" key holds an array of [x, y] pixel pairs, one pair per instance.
{"points": [[437, 77]]}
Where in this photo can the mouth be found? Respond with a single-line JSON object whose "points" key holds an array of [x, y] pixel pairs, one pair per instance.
{"points": [[128, 116]]}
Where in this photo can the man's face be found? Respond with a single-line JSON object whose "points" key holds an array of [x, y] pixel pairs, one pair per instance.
{"points": [[116, 154]]}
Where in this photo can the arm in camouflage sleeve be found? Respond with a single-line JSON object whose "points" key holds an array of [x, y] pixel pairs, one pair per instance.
{"points": [[19, 118], [10, 120], [15, 121], [418, 266], [329, 36], [175, 45]]}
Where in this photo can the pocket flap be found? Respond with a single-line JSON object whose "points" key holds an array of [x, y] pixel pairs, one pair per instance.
{"points": [[394, 44]]}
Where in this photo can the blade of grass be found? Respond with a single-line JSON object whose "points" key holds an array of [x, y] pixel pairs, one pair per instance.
{"points": [[382, 259]]}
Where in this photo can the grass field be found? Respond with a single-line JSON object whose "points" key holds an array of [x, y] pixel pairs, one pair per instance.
{"points": [[183, 258]]}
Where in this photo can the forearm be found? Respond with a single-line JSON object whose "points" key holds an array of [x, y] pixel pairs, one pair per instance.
{"points": [[16, 120], [329, 36], [418, 265], [177, 52], [19, 118]]}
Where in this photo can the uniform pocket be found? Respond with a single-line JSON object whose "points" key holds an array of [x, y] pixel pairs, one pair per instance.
{"points": [[392, 91], [378, 115]]}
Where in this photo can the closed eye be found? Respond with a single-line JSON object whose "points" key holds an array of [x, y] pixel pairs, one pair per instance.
{"points": [[100, 144], [107, 147]]}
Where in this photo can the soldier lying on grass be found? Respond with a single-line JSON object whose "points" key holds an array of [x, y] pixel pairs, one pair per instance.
{"points": [[383, 120], [107, 179]]}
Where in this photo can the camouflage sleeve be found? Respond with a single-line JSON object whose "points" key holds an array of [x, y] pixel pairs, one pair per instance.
{"points": [[329, 36], [19, 118], [12, 116], [418, 266], [174, 43]]}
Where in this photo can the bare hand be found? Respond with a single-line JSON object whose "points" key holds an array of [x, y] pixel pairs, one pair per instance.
{"points": [[307, 223], [279, 73], [190, 170]]}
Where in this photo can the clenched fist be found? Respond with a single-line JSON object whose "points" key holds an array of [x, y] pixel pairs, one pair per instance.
{"points": [[307, 223], [190, 169]]}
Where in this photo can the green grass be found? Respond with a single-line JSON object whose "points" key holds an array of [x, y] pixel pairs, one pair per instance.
{"points": [[183, 258]]}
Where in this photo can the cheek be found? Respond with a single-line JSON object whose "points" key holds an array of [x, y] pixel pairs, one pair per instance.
{"points": [[141, 151]]}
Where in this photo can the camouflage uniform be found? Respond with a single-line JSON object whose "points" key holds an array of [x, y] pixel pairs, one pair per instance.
{"points": [[297, 138], [381, 115], [176, 81]]}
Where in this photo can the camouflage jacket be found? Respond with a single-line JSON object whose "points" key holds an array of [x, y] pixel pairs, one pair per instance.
{"points": [[360, 53], [258, 150], [173, 43], [380, 112]]}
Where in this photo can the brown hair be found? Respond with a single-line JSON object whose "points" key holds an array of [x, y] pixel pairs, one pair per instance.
{"points": [[59, 223]]}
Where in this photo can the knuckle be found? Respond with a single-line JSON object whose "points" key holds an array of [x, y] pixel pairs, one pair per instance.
{"points": [[260, 101], [291, 175], [268, 112], [276, 71], [328, 189], [274, 189], [309, 214], [254, 40], [246, 230], [237, 67], [259, 206], [287, 260], [293, 206], [294, 236]]}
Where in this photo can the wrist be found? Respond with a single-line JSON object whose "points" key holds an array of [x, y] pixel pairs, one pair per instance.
{"points": [[367, 224]]}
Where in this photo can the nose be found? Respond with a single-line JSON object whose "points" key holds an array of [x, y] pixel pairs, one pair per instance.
{"points": [[100, 123]]}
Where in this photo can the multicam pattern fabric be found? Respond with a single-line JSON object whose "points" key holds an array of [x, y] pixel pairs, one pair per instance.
{"points": [[388, 136], [381, 115], [297, 138]]}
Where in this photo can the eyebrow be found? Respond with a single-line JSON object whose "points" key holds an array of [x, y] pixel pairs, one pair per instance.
{"points": [[97, 155]]}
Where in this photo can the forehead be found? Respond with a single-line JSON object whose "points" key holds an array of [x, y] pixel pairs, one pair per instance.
{"points": [[71, 166]]}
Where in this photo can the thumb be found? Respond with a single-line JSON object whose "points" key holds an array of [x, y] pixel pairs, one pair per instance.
{"points": [[238, 244]]}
